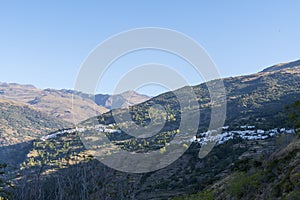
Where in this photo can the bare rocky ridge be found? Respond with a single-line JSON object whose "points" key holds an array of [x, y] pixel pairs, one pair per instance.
{"points": [[58, 103], [123, 100]]}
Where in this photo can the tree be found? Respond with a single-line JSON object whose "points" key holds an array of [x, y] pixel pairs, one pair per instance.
{"points": [[294, 115], [4, 194]]}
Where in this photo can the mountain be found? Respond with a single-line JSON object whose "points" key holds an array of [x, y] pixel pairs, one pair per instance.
{"points": [[20, 122], [58, 103], [28, 113], [287, 65], [257, 99], [241, 166], [55, 103], [272, 176], [123, 100], [64, 164]]}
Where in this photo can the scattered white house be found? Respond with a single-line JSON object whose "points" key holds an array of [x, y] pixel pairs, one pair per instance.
{"points": [[259, 131], [194, 138], [258, 134], [282, 130], [291, 131]]}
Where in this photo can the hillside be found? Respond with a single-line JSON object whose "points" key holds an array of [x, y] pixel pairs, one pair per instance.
{"points": [[20, 123], [55, 103], [264, 154], [123, 100], [274, 176], [58, 103], [257, 99], [63, 163], [287, 65]]}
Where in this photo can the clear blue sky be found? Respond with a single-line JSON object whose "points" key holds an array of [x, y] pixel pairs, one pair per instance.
{"points": [[44, 42]]}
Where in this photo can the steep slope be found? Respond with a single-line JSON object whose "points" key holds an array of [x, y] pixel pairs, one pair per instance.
{"points": [[21, 123], [63, 164], [274, 176], [287, 65], [258, 99], [58, 103], [123, 100]]}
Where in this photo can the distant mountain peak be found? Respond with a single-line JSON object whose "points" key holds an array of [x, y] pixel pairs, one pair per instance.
{"points": [[281, 66], [132, 93], [125, 99]]}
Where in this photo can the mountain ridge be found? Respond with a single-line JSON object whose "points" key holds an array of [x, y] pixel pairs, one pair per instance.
{"points": [[284, 65], [256, 98], [20, 122], [253, 100], [59, 103]]}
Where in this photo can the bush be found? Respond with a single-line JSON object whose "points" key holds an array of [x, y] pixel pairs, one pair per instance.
{"points": [[243, 184], [205, 195], [3, 183]]}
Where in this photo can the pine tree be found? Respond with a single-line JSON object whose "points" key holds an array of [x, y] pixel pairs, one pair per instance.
{"points": [[4, 194]]}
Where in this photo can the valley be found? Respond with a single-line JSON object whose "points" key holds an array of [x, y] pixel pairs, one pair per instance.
{"points": [[258, 145]]}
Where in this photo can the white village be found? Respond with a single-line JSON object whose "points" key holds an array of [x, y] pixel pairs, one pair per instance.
{"points": [[245, 132]]}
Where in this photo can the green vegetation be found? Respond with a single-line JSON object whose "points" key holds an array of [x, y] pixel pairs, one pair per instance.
{"points": [[205, 195], [61, 168], [4, 194], [294, 115], [272, 179], [275, 176], [20, 123], [257, 99], [55, 153], [244, 184]]}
